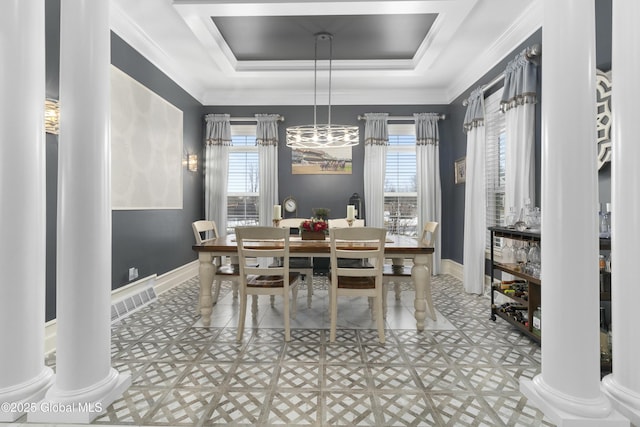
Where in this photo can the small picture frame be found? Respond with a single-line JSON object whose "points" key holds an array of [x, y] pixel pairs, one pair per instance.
{"points": [[460, 170]]}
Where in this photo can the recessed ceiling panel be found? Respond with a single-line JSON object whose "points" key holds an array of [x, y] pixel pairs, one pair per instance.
{"points": [[362, 37]]}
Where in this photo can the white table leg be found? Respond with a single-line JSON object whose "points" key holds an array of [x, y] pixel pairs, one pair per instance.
{"points": [[422, 282], [206, 273]]}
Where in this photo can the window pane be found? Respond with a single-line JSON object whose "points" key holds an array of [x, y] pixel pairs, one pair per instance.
{"points": [[495, 165], [241, 210], [401, 214], [243, 184], [400, 186], [243, 172]]}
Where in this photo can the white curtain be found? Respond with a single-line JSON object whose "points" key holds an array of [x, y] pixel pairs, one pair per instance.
{"points": [[267, 140], [428, 176], [216, 168], [474, 196], [376, 139], [518, 104]]}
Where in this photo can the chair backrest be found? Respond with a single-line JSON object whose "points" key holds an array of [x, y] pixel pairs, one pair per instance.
{"points": [[201, 228], [429, 233], [342, 223], [357, 243], [263, 242]]}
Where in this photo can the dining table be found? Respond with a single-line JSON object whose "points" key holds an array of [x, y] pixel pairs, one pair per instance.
{"points": [[397, 248]]}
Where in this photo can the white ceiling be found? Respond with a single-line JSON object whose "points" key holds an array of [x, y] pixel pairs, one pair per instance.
{"points": [[434, 66]]}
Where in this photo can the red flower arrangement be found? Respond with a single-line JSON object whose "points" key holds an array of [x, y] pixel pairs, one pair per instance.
{"points": [[314, 224]]}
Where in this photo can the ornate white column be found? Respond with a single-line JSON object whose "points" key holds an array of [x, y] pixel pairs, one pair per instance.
{"points": [[23, 376], [568, 389], [85, 381], [623, 385]]}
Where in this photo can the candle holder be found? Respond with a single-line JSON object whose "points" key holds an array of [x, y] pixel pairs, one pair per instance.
{"points": [[350, 222], [276, 223]]}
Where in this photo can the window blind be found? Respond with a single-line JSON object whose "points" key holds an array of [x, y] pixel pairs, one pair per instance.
{"points": [[400, 185], [243, 183], [495, 165]]}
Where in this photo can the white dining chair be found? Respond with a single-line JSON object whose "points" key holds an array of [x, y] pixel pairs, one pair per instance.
{"points": [[357, 243], [205, 231], [303, 265], [342, 223], [265, 242]]}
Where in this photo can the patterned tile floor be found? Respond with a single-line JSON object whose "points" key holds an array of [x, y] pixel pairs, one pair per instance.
{"points": [[461, 371]]}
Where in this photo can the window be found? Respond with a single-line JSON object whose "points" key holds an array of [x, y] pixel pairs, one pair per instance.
{"points": [[400, 183], [243, 185], [495, 165]]}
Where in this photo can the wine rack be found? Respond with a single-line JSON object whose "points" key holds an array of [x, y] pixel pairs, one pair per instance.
{"points": [[518, 312]]}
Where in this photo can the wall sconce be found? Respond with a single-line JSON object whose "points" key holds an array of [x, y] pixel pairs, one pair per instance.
{"points": [[192, 163], [51, 116]]}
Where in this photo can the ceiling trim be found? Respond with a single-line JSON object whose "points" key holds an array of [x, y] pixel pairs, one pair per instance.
{"points": [[316, 7], [245, 92], [527, 24], [266, 97], [135, 36], [196, 14]]}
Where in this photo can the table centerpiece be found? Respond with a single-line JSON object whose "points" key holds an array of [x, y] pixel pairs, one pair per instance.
{"points": [[314, 229]]}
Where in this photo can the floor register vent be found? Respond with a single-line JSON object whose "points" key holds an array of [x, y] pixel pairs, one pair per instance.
{"points": [[124, 307]]}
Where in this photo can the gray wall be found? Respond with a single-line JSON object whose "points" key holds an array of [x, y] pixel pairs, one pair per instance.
{"points": [[453, 195], [159, 241], [330, 191], [154, 241]]}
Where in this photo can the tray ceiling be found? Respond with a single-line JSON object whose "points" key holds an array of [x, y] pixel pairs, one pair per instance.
{"points": [[238, 52]]}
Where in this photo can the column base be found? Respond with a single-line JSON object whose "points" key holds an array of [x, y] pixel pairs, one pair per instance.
{"points": [[80, 406], [26, 394], [597, 414], [624, 400]]}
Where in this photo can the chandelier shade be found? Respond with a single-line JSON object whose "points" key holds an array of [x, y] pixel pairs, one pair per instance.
{"points": [[322, 135]]}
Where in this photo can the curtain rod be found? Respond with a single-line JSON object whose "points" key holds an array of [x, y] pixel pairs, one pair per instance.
{"points": [[533, 53], [404, 118], [251, 119]]}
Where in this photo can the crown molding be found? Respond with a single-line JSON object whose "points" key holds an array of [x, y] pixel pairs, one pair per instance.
{"points": [[267, 97], [137, 38], [527, 24]]}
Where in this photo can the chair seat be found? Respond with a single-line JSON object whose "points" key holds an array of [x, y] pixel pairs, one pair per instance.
{"points": [[348, 282], [394, 270], [353, 263], [265, 281]]}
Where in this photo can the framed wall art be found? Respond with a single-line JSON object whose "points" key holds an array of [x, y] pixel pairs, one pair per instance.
{"points": [[460, 170]]}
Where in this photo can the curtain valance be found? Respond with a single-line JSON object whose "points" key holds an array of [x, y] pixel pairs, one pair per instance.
{"points": [[519, 82], [474, 116], [267, 129], [376, 131], [427, 128], [218, 130]]}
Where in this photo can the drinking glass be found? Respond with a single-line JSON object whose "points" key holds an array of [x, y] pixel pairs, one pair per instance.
{"points": [[509, 253], [521, 254]]}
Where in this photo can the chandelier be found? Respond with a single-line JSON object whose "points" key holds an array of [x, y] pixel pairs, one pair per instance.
{"points": [[322, 135]]}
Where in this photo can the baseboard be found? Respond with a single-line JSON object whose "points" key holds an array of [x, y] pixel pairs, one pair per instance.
{"points": [[455, 269], [175, 277], [451, 267], [160, 284]]}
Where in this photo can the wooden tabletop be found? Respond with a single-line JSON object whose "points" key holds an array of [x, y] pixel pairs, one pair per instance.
{"points": [[395, 245]]}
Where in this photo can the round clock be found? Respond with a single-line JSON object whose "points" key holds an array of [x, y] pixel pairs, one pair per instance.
{"points": [[290, 204]]}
